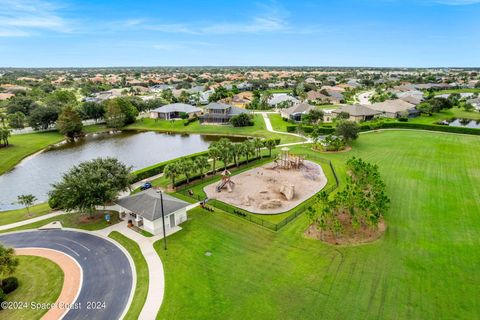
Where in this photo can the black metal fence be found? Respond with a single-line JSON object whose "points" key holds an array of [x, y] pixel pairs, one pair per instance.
{"points": [[255, 218]]}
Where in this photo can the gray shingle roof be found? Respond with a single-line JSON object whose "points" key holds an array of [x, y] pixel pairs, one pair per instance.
{"points": [[298, 108], [356, 110], [177, 107], [147, 204], [232, 110]]}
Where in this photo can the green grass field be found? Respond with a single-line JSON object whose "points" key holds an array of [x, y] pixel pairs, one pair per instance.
{"points": [[278, 123], [11, 216], [23, 145], [257, 130], [141, 289], [72, 220], [424, 267], [40, 280]]}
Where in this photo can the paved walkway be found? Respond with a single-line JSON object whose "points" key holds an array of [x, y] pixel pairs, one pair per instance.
{"points": [[28, 221], [156, 283], [268, 125]]}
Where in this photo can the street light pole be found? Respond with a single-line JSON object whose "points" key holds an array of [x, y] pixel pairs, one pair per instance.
{"points": [[163, 221]]}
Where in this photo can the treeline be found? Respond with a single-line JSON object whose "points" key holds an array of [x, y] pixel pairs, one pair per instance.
{"points": [[223, 150]]}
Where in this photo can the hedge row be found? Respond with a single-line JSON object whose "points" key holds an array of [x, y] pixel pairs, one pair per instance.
{"points": [[158, 168], [421, 126], [395, 125], [309, 129]]}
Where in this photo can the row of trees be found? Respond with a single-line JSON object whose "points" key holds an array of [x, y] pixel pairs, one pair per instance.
{"points": [[361, 203], [222, 150]]}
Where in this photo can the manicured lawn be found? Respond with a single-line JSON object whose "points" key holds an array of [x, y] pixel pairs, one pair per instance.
{"points": [[73, 220], [278, 123], [23, 145], [466, 90], [40, 280], [257, 130], [424, 267], [141, 267], [11, 216]]}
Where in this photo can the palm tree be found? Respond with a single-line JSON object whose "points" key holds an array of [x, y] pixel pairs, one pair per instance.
{"points": [[201, 164], [225, 151], [186, 167], [214, 154], [27, 201], [236, 150], [270, 144], [257, 144], [248, 149], [171, 171]]}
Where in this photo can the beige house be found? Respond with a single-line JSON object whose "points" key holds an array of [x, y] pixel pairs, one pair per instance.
{"points": [[357, 112], [174, 111], [395, 108]]}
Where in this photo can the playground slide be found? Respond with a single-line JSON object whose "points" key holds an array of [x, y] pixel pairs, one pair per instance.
{"points": [[221, 185]]}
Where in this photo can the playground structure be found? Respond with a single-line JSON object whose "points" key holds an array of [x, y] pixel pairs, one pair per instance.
{"points": [[226, 182], [269, 189], [286, 160]]}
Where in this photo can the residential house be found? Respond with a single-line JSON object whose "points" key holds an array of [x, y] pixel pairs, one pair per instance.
{"points": [[146, 211], [395, 108], [220, 113], [320, 98], [175, 111], [357, 112], [242, 99], [296, 111], [278, 98]]}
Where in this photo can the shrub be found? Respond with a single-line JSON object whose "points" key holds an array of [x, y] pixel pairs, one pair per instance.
{"points": [[241, 120], [9, 284], [3, 297]]}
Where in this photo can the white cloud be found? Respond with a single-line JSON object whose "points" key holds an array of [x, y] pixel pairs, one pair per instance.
{"points": [[22, 18]]}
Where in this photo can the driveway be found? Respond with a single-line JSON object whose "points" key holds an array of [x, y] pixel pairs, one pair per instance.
{"points": [[107, 273], [363, 98]]}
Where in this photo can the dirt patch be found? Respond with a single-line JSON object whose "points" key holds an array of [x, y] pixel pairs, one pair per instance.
{"points": [[349, 235], [71, 280], [266, 189]]}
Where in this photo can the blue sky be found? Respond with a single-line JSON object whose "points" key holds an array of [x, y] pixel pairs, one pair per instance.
{"points": [[83, 33]]}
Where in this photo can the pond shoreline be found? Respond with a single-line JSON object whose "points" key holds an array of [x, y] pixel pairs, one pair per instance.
{"points": [[35, 173]]}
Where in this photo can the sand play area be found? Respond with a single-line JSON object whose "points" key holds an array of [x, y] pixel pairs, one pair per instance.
{"points": [[271, 188]]}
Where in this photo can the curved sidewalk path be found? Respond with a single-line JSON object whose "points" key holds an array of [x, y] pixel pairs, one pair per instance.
{"points": [[268, 125], [156, 278], [28, 221], [72, 279]]}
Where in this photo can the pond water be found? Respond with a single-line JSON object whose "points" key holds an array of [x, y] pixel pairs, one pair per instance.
{"points": [[466, 123], [35, 174]]}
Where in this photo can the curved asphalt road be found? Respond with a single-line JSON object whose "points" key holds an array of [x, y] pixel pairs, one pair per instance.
{"points": [[107, 275]]}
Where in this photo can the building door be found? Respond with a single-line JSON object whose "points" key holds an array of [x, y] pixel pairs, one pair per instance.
{"points": [[172, 220]]}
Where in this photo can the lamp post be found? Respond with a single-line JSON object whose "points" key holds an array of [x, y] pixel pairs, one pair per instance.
{"points": [[163, 221]]}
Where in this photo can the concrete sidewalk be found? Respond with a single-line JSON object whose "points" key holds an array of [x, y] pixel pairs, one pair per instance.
{"points": [[156, 283], [268, 125], [28, 221]]}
